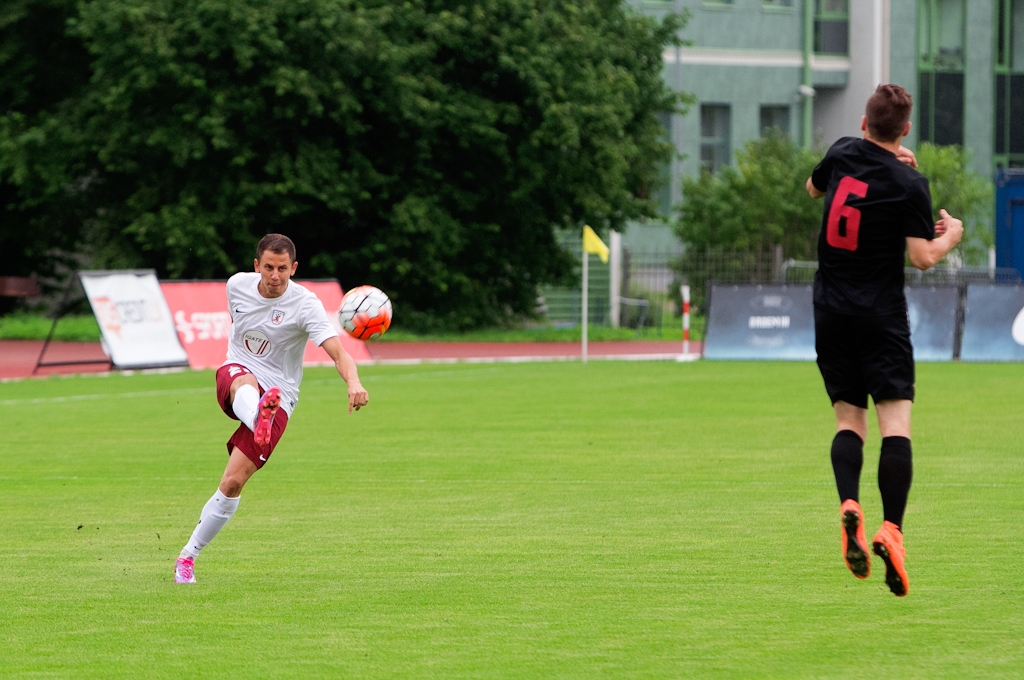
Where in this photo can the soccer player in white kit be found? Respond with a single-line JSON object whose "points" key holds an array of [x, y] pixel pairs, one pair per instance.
{"points": [[272, 318]]}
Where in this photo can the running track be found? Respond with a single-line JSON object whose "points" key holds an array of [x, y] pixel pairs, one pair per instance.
{"points": [[18, 357]]}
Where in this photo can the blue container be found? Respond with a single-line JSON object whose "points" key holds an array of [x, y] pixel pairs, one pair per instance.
{"points": [[1010, 218]]}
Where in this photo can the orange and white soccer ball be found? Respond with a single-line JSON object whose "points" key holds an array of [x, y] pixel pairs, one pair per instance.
{"points": [[365, 312]]}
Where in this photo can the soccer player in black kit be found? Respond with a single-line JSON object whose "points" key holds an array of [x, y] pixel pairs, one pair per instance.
{"points": [[877, 210]]}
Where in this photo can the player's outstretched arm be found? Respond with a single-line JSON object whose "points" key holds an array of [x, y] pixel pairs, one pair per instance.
{"points": [[357, 396], [925, 254], [813, 190]]}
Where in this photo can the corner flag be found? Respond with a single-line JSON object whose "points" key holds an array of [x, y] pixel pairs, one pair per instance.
{"points": [[592, 243]]}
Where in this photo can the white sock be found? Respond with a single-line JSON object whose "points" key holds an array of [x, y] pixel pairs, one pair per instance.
{"points": [[246, 405], [216, 513]]}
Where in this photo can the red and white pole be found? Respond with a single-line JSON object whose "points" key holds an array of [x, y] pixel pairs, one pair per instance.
{"points": [[684, 292]]}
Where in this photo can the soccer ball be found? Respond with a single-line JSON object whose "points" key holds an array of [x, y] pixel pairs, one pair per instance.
{"points": [[365, 312]]}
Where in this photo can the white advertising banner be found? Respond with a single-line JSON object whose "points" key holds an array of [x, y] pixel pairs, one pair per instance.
{"points": [[136, 323]]}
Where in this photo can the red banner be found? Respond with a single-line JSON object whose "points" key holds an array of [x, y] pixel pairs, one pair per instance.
{"points": [[200, 313]]}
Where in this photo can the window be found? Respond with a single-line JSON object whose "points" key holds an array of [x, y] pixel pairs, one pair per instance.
{"points": [[940, 51], [1010, 36], [715, 150], [940, 34], [1017, 36], [777, 3], [774, 117], [949, 27], [831, 27], [1009, 104]]}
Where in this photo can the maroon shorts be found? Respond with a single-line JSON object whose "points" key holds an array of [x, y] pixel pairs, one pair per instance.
{"points": [[242, 438]]}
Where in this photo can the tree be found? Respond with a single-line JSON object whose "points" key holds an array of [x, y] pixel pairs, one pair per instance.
{"points": [[732, 220], [760, 203], [426, 147], [963, 193], [39, 222]]}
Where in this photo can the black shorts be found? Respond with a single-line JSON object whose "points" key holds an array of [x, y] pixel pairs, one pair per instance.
{"points": [[862, 355]]}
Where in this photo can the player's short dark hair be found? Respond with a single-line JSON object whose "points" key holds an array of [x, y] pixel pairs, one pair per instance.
{"points": [[888, 111], [276, 243]]}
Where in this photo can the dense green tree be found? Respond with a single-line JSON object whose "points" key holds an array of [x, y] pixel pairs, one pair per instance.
{"points": [[759, 203], [426, 147], [762, 202], [39, 222], [963, 193]]}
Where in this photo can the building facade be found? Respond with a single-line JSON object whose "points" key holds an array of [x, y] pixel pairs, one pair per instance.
{"points": [[808, 66]]}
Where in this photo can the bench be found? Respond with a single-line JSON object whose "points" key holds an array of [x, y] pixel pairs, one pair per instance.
{"points": [[18, 286]]}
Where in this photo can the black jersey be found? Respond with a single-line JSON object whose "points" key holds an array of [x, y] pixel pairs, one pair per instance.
{"points": [[872, 203]]}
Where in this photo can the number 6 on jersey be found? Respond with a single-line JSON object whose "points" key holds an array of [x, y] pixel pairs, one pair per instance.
{"points": [[839, 209]]}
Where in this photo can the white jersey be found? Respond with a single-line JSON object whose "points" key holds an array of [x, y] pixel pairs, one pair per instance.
{"points": [[268, 335]]}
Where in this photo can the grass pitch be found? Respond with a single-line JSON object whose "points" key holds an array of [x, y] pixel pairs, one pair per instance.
{"points": [[535, 520]]}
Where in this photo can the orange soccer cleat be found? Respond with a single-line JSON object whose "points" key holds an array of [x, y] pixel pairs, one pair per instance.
{"points": [[888, 545], [855, 543]]}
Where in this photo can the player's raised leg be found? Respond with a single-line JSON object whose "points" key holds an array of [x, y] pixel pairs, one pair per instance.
{"points": [[245, 399], [847, 462], [895, 473], [216, 513], [255, 412]]}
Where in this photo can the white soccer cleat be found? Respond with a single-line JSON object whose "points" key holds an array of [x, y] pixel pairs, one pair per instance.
{"points": [[184, 570]]}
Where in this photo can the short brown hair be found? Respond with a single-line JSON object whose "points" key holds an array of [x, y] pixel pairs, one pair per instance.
{"points": [[888, 111], [276, 243]]}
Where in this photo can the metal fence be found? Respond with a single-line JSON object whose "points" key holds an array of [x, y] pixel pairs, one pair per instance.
{"points": [[562, 306], [698, 267], [701, 267], [649, 292], [796, 271]]}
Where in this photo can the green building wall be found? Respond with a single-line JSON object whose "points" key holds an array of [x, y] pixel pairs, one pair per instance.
{"points": [[747, 55]]}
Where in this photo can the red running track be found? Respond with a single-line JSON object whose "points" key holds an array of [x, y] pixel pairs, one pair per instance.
{"points": [[18, 357]]}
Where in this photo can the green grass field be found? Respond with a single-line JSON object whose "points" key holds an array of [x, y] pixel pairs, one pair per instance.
{"points": [[612, 520]]}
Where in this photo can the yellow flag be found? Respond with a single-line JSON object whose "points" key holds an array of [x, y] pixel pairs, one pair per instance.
{"points": [[592, 243]]}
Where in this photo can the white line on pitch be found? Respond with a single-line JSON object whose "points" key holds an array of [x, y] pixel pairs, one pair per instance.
{"points": [[112, 395], [202, 390]]}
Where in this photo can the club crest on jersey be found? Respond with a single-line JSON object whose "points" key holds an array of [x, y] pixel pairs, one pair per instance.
{"points": [[276, 317], [256, 343]]}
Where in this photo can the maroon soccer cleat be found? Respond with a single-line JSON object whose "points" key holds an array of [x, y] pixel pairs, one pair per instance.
{"points": [[269, 403]]}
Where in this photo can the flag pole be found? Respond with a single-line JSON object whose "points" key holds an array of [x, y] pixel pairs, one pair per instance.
{"points": [[684, 294], [583, 349], [592, 243]]}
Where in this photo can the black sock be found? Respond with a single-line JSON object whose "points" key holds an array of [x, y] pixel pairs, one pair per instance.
{"points": [[895, 470], [847, 460]]}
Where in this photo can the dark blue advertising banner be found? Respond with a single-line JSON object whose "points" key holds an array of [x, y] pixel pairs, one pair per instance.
{"points": [[932, 311], [993, 323], [777, 322], [760, 322]]}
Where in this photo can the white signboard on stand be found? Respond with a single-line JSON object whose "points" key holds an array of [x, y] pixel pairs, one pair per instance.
{"points": [[136, 323]]}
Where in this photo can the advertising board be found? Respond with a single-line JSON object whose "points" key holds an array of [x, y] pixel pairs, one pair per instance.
{"points": [[932, 312], [200, 312], [760, 322], [767, 322], [135, 322], [993, 323]]}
